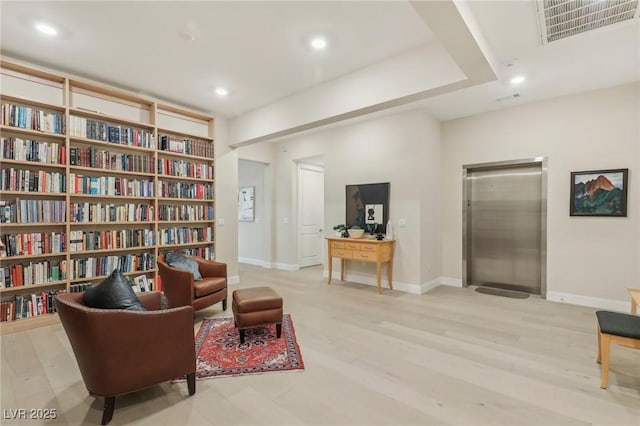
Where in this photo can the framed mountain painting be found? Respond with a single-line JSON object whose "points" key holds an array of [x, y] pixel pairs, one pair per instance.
{"points": [[599, 193]]}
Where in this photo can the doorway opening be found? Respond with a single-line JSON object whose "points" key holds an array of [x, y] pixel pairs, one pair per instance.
{"points": [[253, 219]]}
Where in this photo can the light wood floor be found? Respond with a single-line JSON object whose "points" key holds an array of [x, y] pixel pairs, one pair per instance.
{"points": [[448, 357]]}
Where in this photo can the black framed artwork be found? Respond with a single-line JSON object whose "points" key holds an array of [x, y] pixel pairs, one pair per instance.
{"points": [[367, 206], [599, 193]]}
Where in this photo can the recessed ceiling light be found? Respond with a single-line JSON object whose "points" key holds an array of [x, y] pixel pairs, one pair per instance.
{"points": [[221, 91], [319, 43], [518, 79], [46, 29]]}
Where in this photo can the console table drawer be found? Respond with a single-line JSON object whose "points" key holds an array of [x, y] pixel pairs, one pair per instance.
{"points": [[359, 246], [337, 244], [342, 253], [363, 255]]}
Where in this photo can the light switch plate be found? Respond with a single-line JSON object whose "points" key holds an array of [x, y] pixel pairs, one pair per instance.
{"points": [[402, 223], [221, 222]]}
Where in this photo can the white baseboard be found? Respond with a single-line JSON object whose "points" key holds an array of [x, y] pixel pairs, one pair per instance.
{"points": [[286, 266], [451, 282], [425, 287], [250, 261], [397, 285], [269, 265], [594, 302], [371, 280], [233, 279]]}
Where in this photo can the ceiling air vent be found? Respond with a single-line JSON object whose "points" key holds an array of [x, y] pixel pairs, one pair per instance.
{"points": [[508, 97], [565, 18]]}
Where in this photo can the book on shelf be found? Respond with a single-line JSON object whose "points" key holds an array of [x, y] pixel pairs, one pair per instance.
{"points": [[29, 305], [30, 118], [142, 283], [32, 150], [21, 211]]}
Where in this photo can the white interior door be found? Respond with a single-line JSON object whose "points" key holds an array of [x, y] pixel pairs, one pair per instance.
{"points": [[311, 196]]}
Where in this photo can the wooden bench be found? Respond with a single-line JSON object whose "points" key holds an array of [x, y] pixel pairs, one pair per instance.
{"points": [[619, 328]]}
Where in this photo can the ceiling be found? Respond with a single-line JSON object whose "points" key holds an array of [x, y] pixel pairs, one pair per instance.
{"points": [[180, 51], [258, 50]]}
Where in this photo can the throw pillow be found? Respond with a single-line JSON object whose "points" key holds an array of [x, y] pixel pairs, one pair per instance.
{"points": [[184, 263], [114, 292]]}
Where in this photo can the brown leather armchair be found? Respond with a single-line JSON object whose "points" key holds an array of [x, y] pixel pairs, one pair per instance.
{"points": [[182, 290], [120, 351]]}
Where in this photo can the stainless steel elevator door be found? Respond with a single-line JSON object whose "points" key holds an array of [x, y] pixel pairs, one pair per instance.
{"points": [[505, 211]]}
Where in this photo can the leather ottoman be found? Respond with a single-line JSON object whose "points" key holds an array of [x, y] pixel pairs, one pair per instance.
{"points": [[257, 306]]}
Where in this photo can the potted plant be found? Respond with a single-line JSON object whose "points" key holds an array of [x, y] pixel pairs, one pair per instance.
{"points": [[356, 232], [340, 229]]}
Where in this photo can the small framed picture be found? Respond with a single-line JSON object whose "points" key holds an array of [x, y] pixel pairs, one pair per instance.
{"points": [[599, 193]]}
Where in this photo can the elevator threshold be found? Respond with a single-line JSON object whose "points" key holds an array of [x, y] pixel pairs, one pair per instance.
{"points": [[502, 292]]}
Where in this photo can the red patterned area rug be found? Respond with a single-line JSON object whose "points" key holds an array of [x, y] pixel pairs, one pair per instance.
{"points": [[220, 354]]}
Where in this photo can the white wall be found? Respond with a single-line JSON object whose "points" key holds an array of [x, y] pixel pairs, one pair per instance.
{"points": [[589, 260], [226, 185], [403, 149], [251, 235], [429, 179]]}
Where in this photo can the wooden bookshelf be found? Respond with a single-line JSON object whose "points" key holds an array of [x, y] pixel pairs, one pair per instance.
{"points": [[120, 126]]}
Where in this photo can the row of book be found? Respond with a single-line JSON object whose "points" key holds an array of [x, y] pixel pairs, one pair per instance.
{"points": [[102, 131], [32, 150], [35, 243], [32, 118], [102, 159], [33, 211], [193, 147], [198, 191], [54, 211], [99, 212], [206, 252], [79, 287], [29, 305], [110, 185], [185, 235], [185, 212], [89, 267], [32, 273], [139, 284], [12, 179], [184, 169], [105, 240]]}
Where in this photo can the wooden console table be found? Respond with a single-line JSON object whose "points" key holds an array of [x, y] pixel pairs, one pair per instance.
{"points": [[364, 250], [635, 299]]}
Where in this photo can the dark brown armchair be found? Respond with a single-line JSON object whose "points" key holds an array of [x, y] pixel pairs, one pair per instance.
{"points": [[182, 290], [120, 351]]}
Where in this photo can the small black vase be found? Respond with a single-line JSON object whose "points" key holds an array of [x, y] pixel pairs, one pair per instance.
{"points": [[345, 234], [380, 236]]}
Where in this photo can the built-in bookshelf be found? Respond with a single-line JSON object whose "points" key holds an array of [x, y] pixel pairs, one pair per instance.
{"points": [[93, 179]]}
